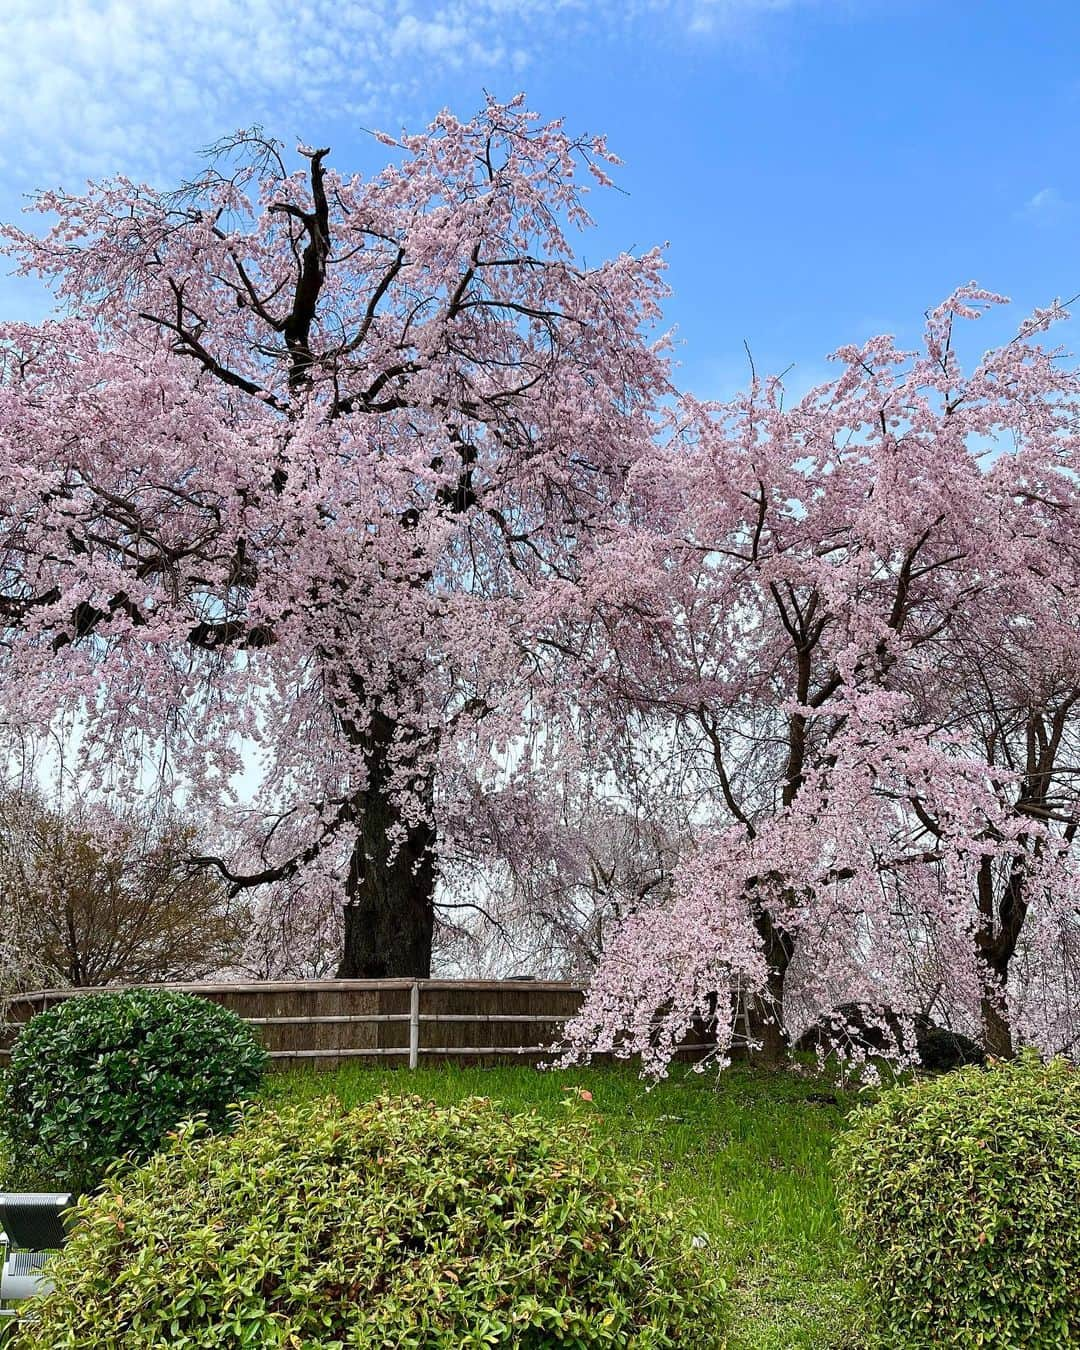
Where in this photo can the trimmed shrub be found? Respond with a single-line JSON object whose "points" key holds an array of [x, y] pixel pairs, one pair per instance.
{"points": [[399, 1224], [963, 1196], [102, 1076]]}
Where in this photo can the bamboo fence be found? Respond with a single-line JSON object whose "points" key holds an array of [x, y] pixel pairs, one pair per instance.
{"points": [[326, 1023]]}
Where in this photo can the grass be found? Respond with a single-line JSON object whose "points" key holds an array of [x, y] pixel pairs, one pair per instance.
{"points": [[746, 1153]]}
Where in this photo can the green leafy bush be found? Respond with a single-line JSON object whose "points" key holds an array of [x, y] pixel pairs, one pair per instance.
{"points": [[963, 1196], [105, 1075], [398, 1224]]}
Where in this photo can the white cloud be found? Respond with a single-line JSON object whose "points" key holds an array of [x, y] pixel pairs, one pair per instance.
{"points": [[1046, 205], [728, 16], [90, 87], [746, 22]]}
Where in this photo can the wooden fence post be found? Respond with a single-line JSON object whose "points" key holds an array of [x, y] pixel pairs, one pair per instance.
{"points": [[414, 1024]]}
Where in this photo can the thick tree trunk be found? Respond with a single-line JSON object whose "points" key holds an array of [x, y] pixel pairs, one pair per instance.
{"points": [[390, 915], [996, 1032], [769, 1048], [760, 1017], [764, 1016], [996, 940], [390, 891]]}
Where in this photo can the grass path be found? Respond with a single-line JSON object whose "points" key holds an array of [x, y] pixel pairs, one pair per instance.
{"points": [[747, 1153]]}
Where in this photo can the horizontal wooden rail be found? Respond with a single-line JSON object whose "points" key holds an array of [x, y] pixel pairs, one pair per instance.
{"points": [[350, 1018], [342, 1020], [495, 1017], [349, 1053]]}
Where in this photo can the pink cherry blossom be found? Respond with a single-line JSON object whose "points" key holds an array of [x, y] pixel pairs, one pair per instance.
{"points": [[845, 634]]}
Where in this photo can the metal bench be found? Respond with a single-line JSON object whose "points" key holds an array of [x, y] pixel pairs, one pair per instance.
{"points": [[33, 1227]]}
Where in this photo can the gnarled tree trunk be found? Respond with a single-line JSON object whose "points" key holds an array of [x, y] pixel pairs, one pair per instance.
{"points": [[996, 1032], [996, 939], [389, 909], [760, 1017]]}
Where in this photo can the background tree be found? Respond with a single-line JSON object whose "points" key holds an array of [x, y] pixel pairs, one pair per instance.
{"points": [[557, 876], [303, 450], [98, 898]]}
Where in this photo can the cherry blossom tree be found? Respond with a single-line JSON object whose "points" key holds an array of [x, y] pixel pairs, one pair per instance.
{"points": [[852, 623], [284, 476]]}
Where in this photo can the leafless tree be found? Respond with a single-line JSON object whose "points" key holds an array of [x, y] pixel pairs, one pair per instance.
{"points": [[97, 897]]}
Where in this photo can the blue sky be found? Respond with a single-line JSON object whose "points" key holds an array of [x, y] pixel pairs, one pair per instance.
{"points": [[822, 169]]}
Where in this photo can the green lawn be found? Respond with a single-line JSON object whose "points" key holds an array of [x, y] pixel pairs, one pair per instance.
{"points": [[747, 1153]]}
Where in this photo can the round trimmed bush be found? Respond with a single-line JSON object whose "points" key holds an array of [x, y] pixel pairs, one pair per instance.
{"points": [[398, 1224], [963, 1196], [102, 1076]]}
